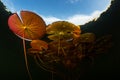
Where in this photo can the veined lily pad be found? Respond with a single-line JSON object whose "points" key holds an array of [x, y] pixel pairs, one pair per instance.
{"points": [[28, 25], [63, 30]]}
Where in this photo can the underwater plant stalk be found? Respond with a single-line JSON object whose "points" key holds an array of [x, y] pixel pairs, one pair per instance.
{"points": [[42, 63], [63, 51], [59, 46], [26, 62]]}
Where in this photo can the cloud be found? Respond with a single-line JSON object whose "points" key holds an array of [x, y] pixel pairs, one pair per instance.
{"points": [[9, 5], [50, 19], [78, 19]]}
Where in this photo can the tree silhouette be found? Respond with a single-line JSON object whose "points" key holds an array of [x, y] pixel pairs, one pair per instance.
{"points": [[107, 23]]}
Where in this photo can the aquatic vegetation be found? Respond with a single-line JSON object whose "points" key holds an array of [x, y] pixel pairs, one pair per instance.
{"points": [[27, 26], [63, 30], [64, 50]]}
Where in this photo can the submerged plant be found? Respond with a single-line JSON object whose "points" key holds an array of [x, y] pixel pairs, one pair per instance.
{"points": [[28, 26], [63, 30], [64, 51]]}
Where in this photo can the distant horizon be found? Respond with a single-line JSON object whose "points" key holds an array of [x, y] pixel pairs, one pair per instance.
{"points": [[78, 12]]}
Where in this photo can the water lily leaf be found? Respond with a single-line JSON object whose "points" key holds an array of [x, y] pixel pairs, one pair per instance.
{"points": [[103, 44], [39, 45], [84, 38], [62, 30], [87, 38], [76, 32], [28, 25]]}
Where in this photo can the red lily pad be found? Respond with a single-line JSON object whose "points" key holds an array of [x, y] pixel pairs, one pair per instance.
{"points": [[28, 25], [39, 45]]}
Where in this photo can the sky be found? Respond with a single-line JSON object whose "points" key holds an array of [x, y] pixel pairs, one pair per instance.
{"points": [[78, 12]]}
